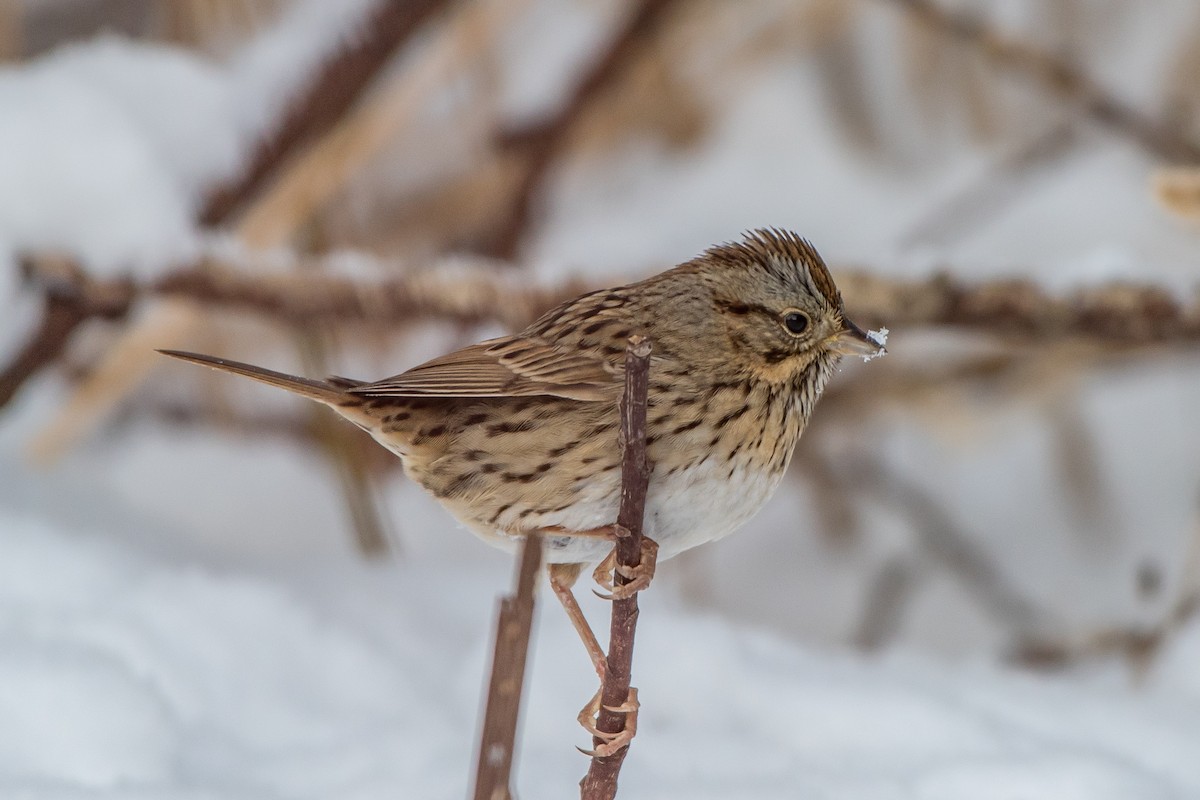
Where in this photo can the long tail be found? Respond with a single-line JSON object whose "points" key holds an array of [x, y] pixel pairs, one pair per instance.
{"points": [[321, 391]]}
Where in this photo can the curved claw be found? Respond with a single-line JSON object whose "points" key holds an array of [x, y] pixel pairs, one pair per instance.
{"points": [[603, 572], [610, 743], [637, 578], [609, 748]]}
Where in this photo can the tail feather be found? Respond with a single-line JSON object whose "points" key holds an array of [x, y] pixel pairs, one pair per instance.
{"points": [[321, 391]]}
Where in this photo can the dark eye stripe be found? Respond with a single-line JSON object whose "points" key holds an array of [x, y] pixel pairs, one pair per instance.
{"points": [[742, 309], [727, 307]]}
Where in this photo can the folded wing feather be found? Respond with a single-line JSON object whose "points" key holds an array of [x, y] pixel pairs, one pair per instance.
{"points": [[510, 366]]}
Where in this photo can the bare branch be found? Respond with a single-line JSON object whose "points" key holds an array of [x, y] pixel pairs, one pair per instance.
{"points": [[542, 142], [336, 86], [71, 299], [333, 90], [497, 740], [939, 537], [600, 783], [1062, 78], [888, 598], [1117, 313], [1124, 314]]}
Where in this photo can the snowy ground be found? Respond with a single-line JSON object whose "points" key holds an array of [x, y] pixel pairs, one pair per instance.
{"points": [[129, 675], [180, 615]]}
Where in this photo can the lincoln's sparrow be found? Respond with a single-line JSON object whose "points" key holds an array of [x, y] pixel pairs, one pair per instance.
{"points": [[519, 434]]}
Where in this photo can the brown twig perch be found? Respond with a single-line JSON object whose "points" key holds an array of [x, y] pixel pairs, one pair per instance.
{"points": [[1156, 137], [600, 783], [497, 740]]}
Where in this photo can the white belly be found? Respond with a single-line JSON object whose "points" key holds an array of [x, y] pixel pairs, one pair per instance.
{"points": [[703, 504], [683, 510]]}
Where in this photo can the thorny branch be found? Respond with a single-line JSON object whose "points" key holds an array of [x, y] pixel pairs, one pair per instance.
{"points": [[600, 783], [498, 736], [1062, 78]]}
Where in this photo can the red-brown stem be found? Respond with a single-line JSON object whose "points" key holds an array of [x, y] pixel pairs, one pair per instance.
{"points": [[497, 739], [600, 783]]}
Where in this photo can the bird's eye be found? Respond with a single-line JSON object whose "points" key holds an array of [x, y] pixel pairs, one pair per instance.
{"points": [[796, 322]]}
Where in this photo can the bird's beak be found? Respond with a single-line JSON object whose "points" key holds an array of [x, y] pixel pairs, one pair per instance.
{"points": [[852, 340]]}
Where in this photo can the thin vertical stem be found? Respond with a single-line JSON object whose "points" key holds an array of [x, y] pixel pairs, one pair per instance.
{"points": [[600, 783], [497, 740]]}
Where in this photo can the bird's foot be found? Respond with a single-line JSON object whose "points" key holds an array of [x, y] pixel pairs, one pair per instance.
{"points": [[610, 743], [637, 578]]}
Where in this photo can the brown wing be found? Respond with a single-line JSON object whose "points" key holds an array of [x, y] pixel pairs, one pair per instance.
{"points": [[511, 366]]}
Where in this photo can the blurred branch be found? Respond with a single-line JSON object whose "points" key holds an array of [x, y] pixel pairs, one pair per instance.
{"points": [[1138, 646], [1000, 183], [469, 296], [12, 31], [938, 536], [1114, 313], [70, 298], [325, 168], [1118, 312], [888, 597], [542, 142], [498, 734], [1178, 190], [1060, 77], [336, 86]]}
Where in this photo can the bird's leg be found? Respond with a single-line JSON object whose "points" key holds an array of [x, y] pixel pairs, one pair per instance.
{"points": [[637, 578], [562, 578]]}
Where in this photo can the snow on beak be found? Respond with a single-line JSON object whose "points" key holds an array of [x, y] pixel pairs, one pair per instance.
{"points": [[852, 340]]}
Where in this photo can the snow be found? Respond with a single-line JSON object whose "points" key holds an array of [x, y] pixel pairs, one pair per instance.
{"points": [[182, 615], [267, 74], [122, 671], [108, 147], [880, 338], [82, 175]]}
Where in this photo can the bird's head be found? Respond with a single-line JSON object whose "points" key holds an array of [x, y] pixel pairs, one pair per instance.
{"points": [[776, 304]]}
